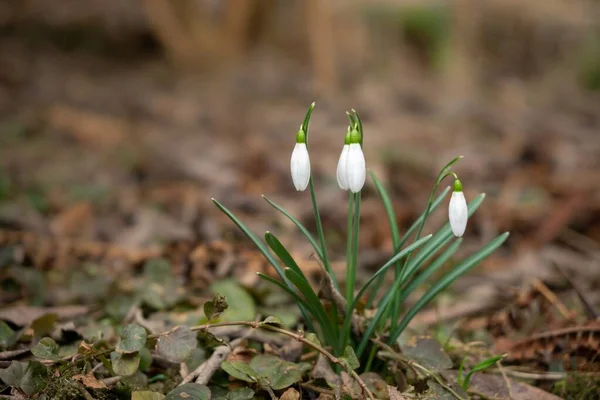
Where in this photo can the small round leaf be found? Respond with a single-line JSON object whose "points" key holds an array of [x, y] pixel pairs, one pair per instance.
{"points": [[177, 345], [132, 339]]}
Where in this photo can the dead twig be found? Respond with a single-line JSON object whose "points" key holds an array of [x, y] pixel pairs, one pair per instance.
{"points": [[111, 381], [551, 297], [207, 369], [9, 355], [317, 389], [590, 311], [391, 353], [296, 336]]}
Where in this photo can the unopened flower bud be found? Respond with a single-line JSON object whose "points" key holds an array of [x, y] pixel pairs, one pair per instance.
{"points": [[457, 210], [356, 171], [300, 162]]}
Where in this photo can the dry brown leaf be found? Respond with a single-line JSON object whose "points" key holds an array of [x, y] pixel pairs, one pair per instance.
{"points": [[87, 127], [90, 381], [290, 394], [23, 315], [395, 394], [73, 220], [495, 386]]}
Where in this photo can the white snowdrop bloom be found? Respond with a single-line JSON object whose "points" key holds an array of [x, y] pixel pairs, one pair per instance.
{"points": [[457, 210], [355, 168], [300, 163], [342, 171]]}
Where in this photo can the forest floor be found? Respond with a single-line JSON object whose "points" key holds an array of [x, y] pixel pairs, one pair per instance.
{"points": [[108, 163]]}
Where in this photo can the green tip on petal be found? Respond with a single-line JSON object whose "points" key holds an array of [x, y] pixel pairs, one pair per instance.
{"points": [[301, 136], [354, 136], [457, 186], [347, 137]]}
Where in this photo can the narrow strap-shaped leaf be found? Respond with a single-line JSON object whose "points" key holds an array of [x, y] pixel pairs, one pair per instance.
{"points": [[438, 239], [381, 271], [389, 263], [314, 302], [441, 238], [291, 292], [430, 270], [391, 215], [417, 223], [298, 224], [263, 249], [296, 276], [443, 283], [257, 242], [485, 364], [389, 210], [283, 254]]}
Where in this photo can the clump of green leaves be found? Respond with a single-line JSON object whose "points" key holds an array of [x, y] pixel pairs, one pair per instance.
{"points": [[390, 315]]}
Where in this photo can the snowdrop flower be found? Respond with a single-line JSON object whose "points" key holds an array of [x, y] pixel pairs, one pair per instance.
{"points": [[356, 172], [457, 210], [342, 172], [300, 162]]}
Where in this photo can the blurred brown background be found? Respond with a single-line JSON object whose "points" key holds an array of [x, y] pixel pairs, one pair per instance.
{"points": [[119, 120]]}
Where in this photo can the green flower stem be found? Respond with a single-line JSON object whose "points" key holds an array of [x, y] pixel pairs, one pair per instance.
{"points": [[441, 176], [380, 271], [320, 234], [444, 172], [317, 215], [346, 335], [351, 268], [463, 267]]}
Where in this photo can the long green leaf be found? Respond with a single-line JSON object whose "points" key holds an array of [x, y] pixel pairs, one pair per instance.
{"points": [[485, 364], [443, 283], [257, 242], [417, 223], [291, 292], [283, 254], [391, 262], [441, 237], [430, 270], [262, 248], [392, 222], [299, 280], [389, 210], [298, 224], [311, 298], [381, 271]]}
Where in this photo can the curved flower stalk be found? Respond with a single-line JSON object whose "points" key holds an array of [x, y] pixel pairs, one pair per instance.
{"points": [[300, 162], [342, 172], [457, 210]]}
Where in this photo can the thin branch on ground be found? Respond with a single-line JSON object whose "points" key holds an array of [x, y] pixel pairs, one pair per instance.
{"points": [[298, 337], [207, 369], [391, 353], [317, 389]]}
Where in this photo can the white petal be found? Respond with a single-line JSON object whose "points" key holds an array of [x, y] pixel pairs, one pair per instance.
{"points": [[342, 175], [300, 166], [458, 213], [355, 168]]}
